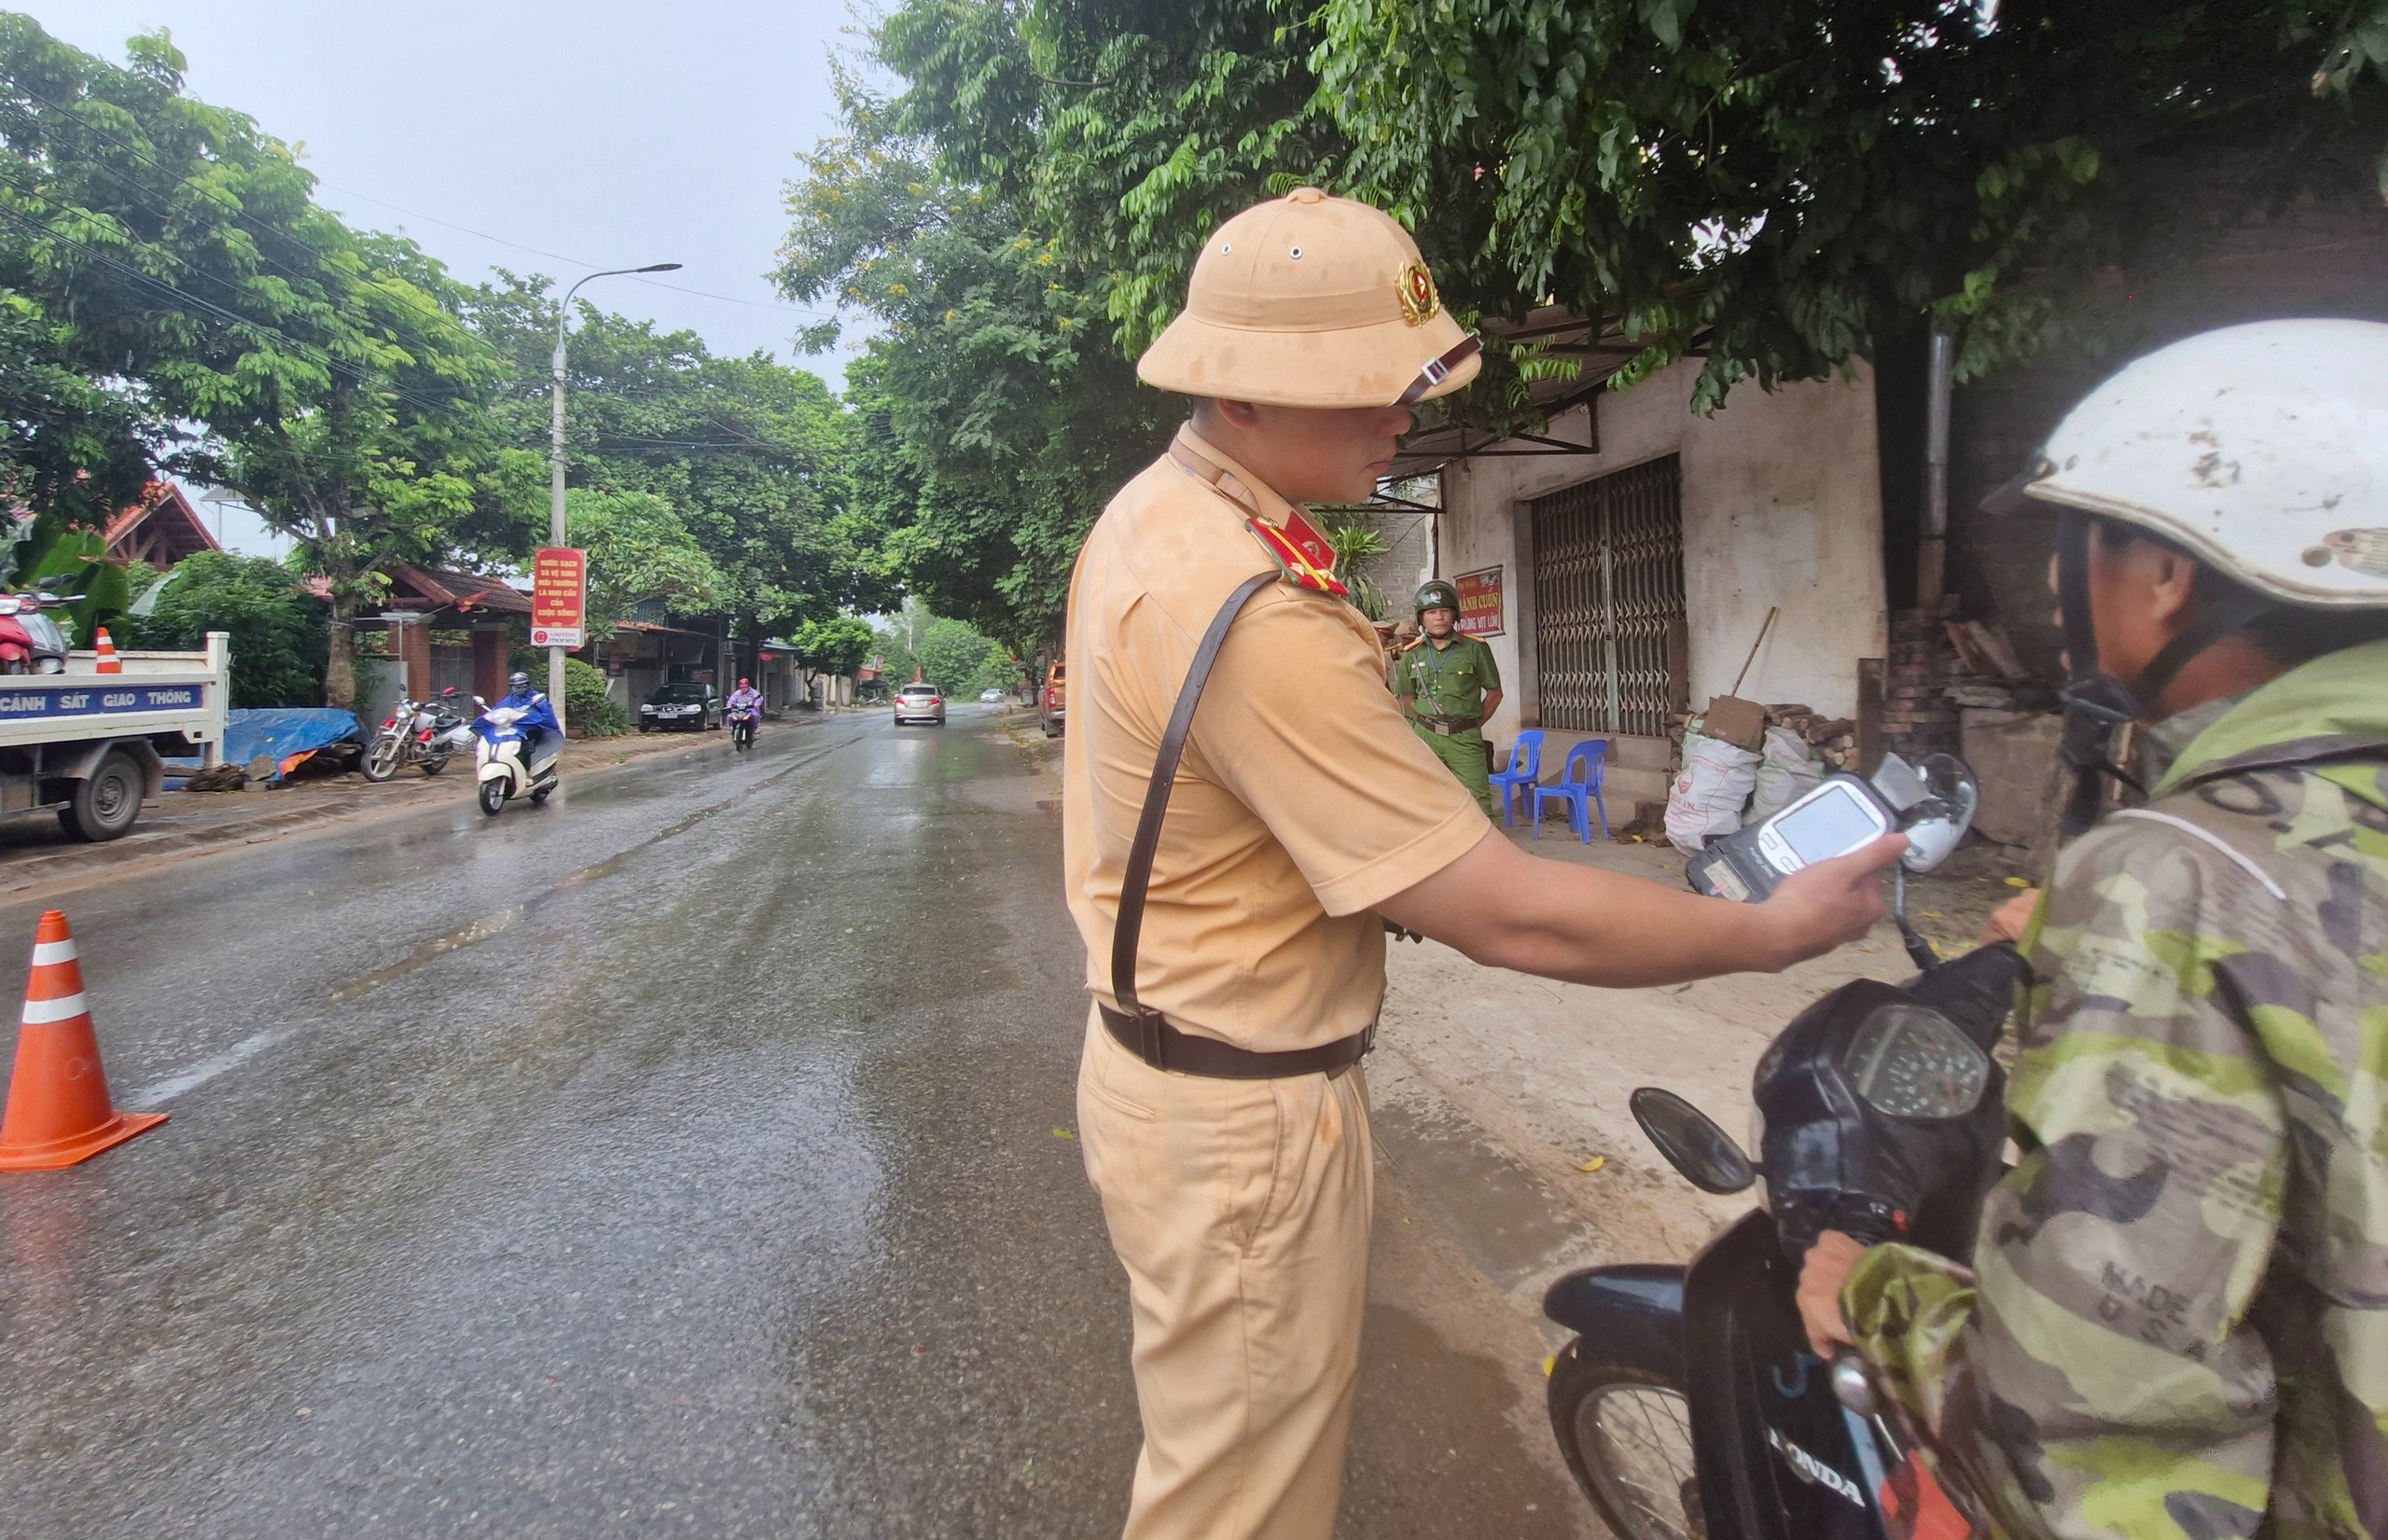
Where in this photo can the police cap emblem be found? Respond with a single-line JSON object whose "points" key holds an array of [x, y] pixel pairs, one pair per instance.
{"points": [[1419, 303]]}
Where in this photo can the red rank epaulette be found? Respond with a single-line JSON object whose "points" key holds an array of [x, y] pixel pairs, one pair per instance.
{"points": [[1309, 560]]}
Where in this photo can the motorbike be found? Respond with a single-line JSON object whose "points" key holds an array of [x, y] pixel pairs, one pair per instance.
{"points": [[416, 732], [30, 641], [741, 727], [1690, 1404], [508, 766]]}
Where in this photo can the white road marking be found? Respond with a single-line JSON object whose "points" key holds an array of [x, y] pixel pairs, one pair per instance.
{"points": [[207, 1069]]}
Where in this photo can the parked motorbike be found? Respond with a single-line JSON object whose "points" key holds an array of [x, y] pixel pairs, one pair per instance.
{"points": [[1689, 1406], [416, 732], [741, 727], [509, 765], [30, 641]]}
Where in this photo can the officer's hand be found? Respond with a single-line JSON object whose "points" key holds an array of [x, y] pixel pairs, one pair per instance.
{"points": [[1831, 903], [1821, 1278]]}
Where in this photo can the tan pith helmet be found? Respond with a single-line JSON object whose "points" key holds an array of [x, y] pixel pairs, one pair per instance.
{"points": [[1309, 300]]}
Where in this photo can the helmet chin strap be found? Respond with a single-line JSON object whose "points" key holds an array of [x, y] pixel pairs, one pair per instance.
{"points": [[2095, 701]]}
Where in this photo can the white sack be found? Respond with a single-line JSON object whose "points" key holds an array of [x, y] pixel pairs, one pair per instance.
{"points": [[1785, 772], [1708, 796]]}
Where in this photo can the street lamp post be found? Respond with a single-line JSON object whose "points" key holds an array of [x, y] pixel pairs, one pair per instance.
{"points": [[555, 458]]}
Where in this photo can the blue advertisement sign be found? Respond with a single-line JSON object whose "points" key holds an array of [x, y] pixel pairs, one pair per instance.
{"points": [[24, 702]]}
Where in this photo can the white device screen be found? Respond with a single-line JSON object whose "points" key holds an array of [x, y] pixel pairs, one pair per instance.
{"points": [[1833, 825]]}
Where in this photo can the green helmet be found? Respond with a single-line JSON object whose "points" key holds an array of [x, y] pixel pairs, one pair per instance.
{"points": [[1436, 595]]}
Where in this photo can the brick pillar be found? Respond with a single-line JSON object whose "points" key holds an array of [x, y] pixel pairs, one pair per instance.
{"points": [[1917, 717], [414, 637], [488, 663]]}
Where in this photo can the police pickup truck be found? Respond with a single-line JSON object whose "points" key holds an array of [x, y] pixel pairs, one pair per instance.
{"points": [[92, 744]]}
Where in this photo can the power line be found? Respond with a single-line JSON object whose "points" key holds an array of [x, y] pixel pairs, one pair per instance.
{"points": [[576, 261], [230, 207], [208, 309]]}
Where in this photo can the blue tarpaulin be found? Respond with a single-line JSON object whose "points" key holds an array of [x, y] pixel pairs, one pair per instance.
{"points": [[281, 732]]}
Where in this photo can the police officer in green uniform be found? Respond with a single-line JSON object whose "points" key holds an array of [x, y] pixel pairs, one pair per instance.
{"points": [[1449, 685]]}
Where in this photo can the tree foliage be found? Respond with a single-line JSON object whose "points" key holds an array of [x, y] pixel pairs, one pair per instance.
{"points": [[838, 644], [167, 254], [1770, 182], [277, 626], [749, 457], [993, 415], [638, 551]]}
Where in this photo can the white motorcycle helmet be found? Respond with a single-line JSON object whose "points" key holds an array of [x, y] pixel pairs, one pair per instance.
{"points": [[2260, 449]]}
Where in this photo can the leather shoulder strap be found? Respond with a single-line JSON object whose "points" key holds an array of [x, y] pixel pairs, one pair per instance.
{"points": [[1129, 927]]}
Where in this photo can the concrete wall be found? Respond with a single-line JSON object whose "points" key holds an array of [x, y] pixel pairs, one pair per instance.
{"points": [[1782, 506]]}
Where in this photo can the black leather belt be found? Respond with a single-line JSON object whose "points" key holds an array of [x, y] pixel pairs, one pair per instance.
{"points": [[1445, 726], [1152, 1039], [1137, 1027]]}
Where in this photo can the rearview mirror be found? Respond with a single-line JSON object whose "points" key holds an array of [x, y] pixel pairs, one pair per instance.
{"points": [[1691, 1141], [1935, 825]]}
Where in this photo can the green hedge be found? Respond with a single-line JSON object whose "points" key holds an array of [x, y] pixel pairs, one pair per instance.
{"points": [[586, 712]]}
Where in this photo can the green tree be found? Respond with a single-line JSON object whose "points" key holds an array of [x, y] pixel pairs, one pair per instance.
{"points": [[1777, 186], [638, 551], [277, 626], [749, 457], [960, 660], [173, 255], [992, 414], [838, 644]]}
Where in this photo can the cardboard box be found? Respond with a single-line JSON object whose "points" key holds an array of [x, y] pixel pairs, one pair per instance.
{"points": [[1738, 722]]}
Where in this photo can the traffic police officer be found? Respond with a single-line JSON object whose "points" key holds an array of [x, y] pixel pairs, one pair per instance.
{"points": [[1450, 687], [1233, 901]]}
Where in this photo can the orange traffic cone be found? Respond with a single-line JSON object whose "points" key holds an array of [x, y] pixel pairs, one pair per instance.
{"points": [[109, 662], [59, 1111]]}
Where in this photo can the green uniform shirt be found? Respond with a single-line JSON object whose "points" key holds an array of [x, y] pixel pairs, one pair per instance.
{"points": [[1449, 681]]}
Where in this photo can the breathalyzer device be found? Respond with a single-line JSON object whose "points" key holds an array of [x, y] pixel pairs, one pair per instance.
{"points": [[1843, 813]]}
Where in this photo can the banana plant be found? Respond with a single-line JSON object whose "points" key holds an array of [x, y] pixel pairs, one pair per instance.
{"points": [[47, 554]]}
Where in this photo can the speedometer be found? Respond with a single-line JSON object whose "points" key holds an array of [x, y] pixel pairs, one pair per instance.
{"points": [[1911, 1061]]}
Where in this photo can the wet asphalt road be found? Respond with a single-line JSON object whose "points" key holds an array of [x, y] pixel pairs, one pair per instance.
{"points": [[685, 1156]]}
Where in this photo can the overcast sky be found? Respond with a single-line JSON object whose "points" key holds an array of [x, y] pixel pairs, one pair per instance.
{"points": [[609, 133]]}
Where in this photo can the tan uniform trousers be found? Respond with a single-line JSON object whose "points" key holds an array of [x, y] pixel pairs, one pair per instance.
{"points": [[1241, 1209]]}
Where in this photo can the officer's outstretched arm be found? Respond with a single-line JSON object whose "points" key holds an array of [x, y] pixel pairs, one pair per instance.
{"points": [[1508, 909]]}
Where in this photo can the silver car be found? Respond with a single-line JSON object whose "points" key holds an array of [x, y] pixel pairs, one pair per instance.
{"points": [[920, 703]]}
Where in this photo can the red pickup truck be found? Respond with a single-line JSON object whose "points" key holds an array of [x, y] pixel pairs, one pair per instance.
{"points": [[1049, 706]]}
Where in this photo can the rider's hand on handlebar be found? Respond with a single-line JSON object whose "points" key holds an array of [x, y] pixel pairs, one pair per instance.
{"points": [[2007, 922], [1821, 1278], [1821, 906]]}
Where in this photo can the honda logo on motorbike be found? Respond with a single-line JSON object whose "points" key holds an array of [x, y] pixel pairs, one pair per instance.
{"points": [[1814, 1472]]}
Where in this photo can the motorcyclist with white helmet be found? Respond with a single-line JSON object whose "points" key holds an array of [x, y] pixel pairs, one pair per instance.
{"points": [[2176, 1323]]}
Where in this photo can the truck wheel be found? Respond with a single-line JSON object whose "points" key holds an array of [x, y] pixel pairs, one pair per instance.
{"points": [[107, 801]]}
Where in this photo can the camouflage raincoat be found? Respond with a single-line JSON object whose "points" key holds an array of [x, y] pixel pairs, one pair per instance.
{"points": [[2179, 1326]]}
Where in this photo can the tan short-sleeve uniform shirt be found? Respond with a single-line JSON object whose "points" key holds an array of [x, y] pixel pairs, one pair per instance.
{"points": [[1303, 799]]}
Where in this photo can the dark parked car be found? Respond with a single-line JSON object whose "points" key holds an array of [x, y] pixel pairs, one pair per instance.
{"points": [[920, 703], [684, 707]]}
